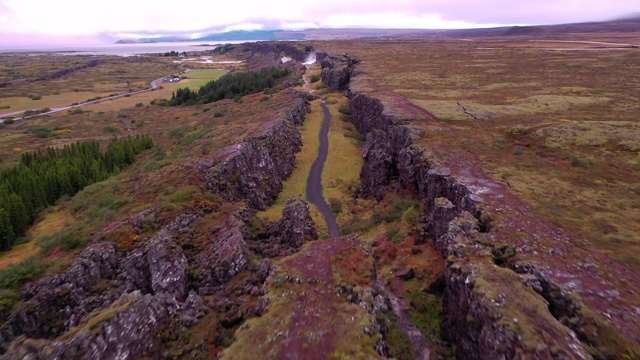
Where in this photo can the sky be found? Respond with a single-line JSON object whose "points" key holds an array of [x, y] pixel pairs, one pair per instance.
{"points": [[35, 21]]}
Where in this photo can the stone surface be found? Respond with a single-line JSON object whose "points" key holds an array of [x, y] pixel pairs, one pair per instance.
{"points": [[225, 256], [453, 214], [110, 305], [336, 71], [287, 235], [255, 169]]}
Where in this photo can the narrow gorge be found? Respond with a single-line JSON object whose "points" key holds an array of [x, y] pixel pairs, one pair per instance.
{"points": [[508, 290]]}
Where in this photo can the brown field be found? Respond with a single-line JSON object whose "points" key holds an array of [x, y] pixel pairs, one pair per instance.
{"points": [[560, 126]]}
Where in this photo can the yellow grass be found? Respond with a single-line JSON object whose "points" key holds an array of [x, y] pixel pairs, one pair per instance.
{"points": [[129, 101], [195, 81], [345, 154], [50, 101], [52, 223], [537, 104], [341, 169], [297, 183], [17, 254], [206, 74]]}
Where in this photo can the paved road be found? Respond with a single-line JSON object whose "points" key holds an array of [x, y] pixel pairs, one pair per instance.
{"points": [[314, 182], [154, 85]]}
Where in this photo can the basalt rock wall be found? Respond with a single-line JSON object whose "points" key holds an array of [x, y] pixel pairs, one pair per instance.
{"points": [[479, 295], [336, 72], [254, 170], [109, 303]]}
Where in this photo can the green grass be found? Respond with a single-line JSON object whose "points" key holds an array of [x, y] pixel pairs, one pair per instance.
{"points": [[296, 184], [196, 79]]}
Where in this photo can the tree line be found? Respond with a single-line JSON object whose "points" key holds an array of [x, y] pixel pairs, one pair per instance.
{"points": [[43, 177], [230, 86], [175, 53]]}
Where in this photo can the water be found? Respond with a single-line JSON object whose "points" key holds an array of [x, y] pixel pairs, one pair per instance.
{"points": [[119, 49]]}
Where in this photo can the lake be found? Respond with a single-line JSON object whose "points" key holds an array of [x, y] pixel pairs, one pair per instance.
{"points": [[119, 49]]}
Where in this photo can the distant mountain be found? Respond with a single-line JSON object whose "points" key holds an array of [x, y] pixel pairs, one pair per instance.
{"points": [[625, 25], [239, 35], [132, 41]]}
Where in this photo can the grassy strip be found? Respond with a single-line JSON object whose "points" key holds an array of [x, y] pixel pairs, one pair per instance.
{"points": [[297, 182], [342, 169]]}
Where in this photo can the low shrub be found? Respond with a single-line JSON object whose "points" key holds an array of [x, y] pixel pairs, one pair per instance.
{"points": [[66, 239], [110, 130], [398, 206], [336, 205], [41, 132], [344, 110], [18, 274], [580, 161]]}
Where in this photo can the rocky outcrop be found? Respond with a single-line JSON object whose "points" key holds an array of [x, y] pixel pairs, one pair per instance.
{"points": [[336, 72], [497, 306], [254, 170], [275, 48], [296, 226], [225, 256], [167, 266], [127, 329], [111, 304], [64, 72], [55, 304], [97, 278], [299, 109], [290, 233]]}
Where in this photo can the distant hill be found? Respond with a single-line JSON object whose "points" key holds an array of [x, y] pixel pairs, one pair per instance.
{"points": [[239, 35], [624, 25]]}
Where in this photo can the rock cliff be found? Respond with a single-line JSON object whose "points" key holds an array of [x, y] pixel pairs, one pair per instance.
{"points": [[289, 234], [112, 304], [336, 71], [254, 169], [508, 294]]}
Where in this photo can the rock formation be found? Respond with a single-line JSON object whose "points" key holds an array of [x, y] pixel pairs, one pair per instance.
{"points": [[254, 169], [506, 296], [111, 304]]}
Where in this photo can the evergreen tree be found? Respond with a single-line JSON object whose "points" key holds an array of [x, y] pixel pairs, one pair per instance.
{"points": [[40, 179], [230, 86]]}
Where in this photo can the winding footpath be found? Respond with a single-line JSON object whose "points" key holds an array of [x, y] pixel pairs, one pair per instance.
{"points": [[314, 195], [314, 182]]}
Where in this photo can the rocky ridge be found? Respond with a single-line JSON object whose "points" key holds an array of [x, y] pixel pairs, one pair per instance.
{"points": [[336, 71], [111, 304], [510, 290], [254, 169]]}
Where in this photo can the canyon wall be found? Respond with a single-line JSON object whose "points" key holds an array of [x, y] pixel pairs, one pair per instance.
{"points": [[508, 295], [111, 303]]}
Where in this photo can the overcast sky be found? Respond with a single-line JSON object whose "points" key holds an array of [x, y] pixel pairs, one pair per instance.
{"points": [[52, 20]]}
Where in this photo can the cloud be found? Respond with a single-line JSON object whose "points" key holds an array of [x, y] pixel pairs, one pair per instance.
{"points": [[397, 20], [246, 26], [298, 25]]}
